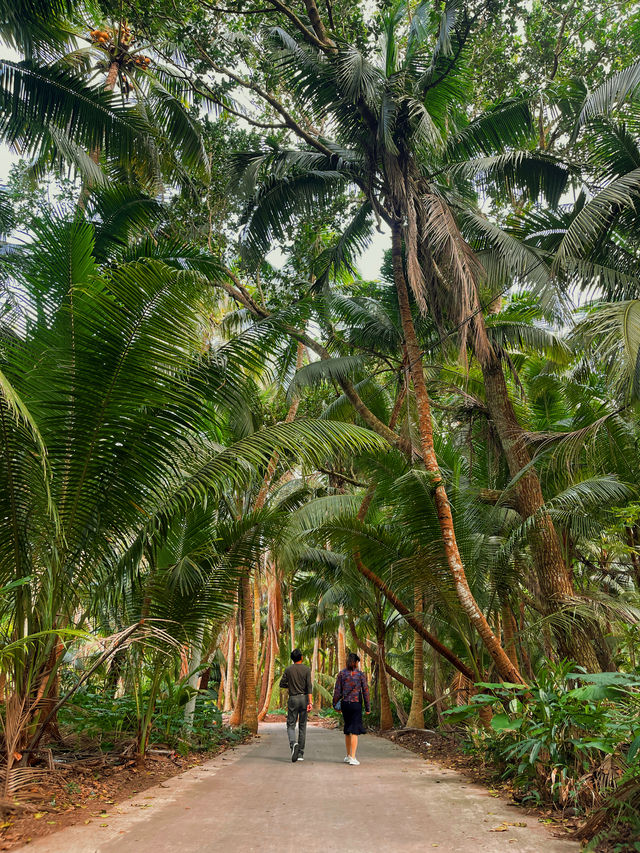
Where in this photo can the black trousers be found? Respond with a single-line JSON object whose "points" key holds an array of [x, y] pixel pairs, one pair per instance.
{"points": [[297, 713]]}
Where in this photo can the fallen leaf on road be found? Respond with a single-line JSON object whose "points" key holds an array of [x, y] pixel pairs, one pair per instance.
{"points": [[502, 828]]}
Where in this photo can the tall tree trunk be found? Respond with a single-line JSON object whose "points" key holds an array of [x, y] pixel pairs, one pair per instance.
{"points": [[231, 663], [505, 668], [238, 701], [315, 657], [510, 629], [249, 712], [112, 76], [368, 651], [274, 626], [552, 573], [292, 620], [416, 713], [257, 592], [264, 684], [194, 678], [386, 717], [341, 647]]}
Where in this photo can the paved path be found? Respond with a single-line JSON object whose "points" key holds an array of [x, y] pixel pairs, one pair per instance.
{"points": [[254, 799]]}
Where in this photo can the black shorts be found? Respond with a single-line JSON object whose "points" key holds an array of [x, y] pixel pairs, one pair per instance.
{"points": [[352, 714]]}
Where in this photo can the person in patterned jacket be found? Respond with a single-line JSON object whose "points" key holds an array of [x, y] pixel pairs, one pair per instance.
{"points": [[350, 693]]}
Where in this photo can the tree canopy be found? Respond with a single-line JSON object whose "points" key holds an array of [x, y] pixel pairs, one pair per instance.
{"points": [[221, 440]]}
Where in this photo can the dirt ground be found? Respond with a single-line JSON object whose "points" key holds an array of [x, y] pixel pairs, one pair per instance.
{"points": [[85, 790]]}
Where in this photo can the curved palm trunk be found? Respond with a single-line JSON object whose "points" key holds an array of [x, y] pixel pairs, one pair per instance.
{"points": [[269, 674], [238, 703], [292, 620], [386, 717], [416, 714], [257, 628], [505, 668], [194, 678]]}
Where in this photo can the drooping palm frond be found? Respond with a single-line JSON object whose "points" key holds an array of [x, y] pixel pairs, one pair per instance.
{"points": [[614, 91], [278, 201], [613, 148], [580, 508], [597, 215], [533, 174], [613, 332], [35, 25], [512, 260], [505, 125], [119, 214], [330, 369], [353, 240], [311, 442], [35, 99]]}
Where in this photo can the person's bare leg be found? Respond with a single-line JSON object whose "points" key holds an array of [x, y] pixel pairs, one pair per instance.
{"points": [[347, 743], [354, 745]]}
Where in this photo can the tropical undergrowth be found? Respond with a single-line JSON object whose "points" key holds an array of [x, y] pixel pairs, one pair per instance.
{"points": [[570, 739]]}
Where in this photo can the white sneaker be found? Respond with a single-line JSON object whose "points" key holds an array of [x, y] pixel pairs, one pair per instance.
{"points": [[346, 759], [353, 761]]}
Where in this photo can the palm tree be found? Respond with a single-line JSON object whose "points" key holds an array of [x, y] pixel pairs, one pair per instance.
{"points": [[107, 103], [390, 141], [398, 130], [106, 435]]}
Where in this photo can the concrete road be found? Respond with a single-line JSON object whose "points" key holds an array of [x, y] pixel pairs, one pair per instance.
{"points": [[254, 799]]}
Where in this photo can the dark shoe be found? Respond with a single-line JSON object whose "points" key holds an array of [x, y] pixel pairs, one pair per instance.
{"points": [[300, 758], [295, 750]]}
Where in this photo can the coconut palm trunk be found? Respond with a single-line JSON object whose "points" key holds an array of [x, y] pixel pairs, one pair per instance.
{"points": [[386, 716], [194, 678], [247, 703], [341, 641], [315, 657], [467, 601], [510, 629], [274, 626], [416, 713], [231, 662]]}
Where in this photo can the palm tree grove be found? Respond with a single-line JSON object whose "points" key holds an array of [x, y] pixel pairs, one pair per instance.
{"points": [[320, 333]]}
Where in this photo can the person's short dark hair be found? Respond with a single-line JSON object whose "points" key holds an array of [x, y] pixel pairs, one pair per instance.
{"points": [[352, 661], [296, 655]]}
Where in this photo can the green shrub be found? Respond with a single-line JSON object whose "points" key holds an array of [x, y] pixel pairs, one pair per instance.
{"points": [[108, 721], [567, 738]]}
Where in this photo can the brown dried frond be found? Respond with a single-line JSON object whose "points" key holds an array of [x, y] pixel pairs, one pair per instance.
{"points": [[458, 268]]}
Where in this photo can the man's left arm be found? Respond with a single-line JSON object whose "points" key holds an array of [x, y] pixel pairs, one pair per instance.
{"points": [[309, 691]]}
